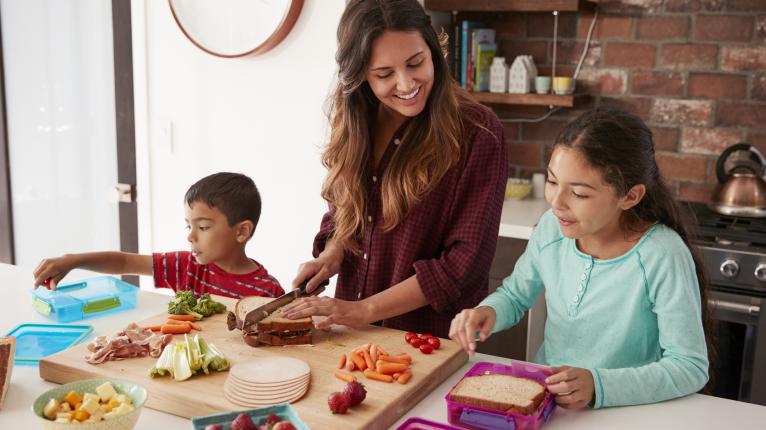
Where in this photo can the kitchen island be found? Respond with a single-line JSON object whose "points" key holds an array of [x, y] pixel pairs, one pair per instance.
{"points": [[695, 411]]}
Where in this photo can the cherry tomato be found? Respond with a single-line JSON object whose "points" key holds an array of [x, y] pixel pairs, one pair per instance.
{"points": [[409, 335], [416, 342], [435, 342], [427, 335], [426, 348]]}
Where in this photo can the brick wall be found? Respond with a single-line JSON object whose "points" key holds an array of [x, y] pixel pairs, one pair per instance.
{"points": [[694, 70]]}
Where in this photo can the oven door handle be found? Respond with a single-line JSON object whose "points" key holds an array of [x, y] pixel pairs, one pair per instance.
{"points": [[739, 308]]}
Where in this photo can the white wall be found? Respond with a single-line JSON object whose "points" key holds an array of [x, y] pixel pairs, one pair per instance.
{"points": [[262, 116]]}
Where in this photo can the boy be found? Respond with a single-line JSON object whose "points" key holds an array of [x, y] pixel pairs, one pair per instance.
{"points": [[221, 211]]}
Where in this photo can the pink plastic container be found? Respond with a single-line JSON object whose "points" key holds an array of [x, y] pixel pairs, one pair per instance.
{"points": [[478, 418]]}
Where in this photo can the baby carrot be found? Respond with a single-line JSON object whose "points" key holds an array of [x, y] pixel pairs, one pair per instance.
{"points": [[153, 327], [342, 361], [374, 352], [371, 374], [381, 352], [175, 329], [344, 376], [404, 377], [181, 317], [358, 361], [389, 368], [368, 359], [393, 359], [350, 364], [177, 322], [195, 326]]}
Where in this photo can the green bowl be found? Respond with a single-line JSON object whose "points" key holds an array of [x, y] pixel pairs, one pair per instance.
{"points": [[135, 392]]}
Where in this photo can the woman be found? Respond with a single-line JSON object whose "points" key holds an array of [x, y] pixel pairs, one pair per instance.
{"points": [[415, 182]]}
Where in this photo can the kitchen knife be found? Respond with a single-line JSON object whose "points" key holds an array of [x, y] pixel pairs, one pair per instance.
{"points": [[261, 312]]}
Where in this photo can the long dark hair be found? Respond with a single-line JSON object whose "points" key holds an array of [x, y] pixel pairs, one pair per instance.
{"points": [[620, 145], [431, 143]]}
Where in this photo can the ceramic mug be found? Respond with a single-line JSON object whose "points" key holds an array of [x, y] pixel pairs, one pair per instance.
{"points": [[543, 84], [563, 85]]}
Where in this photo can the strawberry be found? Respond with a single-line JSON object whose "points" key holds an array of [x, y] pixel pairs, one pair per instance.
{"points": [[338, 402]]}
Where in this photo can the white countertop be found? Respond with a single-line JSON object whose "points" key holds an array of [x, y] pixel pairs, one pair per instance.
{"points": [[520, 216], [695, 411]]}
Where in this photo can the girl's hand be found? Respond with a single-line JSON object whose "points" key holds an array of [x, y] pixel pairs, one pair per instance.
{"points": [[321, 268], [50, 271], [465, 325], [337, 311], [573, 387]]}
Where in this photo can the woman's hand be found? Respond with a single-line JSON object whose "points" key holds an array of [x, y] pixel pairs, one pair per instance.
{"points": [[352, 314], [573, 387], [465, 325], [51, 270], [321, 268]]}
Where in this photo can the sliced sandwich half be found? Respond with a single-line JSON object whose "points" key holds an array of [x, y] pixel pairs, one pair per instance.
{"points": [[275, 329], [500, 392]]}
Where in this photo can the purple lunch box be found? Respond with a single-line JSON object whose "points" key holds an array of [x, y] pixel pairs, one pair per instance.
{"points": [[424, 424], [479, 418]]}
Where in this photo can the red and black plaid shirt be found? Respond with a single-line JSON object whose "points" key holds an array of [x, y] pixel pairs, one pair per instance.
{"points": [[180, 271], [448, 240]]}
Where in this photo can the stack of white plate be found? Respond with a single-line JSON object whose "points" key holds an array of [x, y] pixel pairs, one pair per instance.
{"points": [[267, 381]]}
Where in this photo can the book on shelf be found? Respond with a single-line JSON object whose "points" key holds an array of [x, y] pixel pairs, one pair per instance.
{"points": [[485, 52], [465, 28]]}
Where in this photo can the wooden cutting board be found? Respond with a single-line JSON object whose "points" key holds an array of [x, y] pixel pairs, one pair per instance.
{"points": [[203, 395]]}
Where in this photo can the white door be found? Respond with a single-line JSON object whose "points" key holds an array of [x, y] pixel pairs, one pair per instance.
{"points": [[60, 107]]}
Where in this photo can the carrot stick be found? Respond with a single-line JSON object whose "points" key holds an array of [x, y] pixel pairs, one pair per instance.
{"points": [[371, 374], [393, 359], [389, 368], [404, 377], [381, 352], [358, 361], [181, 317], [342, 361], [344, 376], [368, 359], [175, 329], [177, 322], [195, 326], [350, 364], [374, 352], [153, 327]]}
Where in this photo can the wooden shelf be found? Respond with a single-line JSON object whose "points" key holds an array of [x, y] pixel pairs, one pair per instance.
{"points": [[525, 99], [508, 5]]}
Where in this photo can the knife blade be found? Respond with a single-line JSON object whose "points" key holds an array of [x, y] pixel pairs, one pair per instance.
{"points": [[261, 312]]}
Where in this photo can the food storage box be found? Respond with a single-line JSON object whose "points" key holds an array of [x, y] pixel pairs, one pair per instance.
{"points": [[224, 419], [37, 341], [479, 418], [424, 424], [85, 299]]}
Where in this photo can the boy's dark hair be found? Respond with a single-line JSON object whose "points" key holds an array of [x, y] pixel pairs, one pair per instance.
{"points": [[234, 194], [619, 144]]}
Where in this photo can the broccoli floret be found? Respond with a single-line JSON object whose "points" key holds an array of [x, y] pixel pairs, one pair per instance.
{"points": [[207, 306], [184, 304]]}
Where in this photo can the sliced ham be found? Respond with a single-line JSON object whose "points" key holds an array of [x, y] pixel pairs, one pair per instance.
{"points": [[133, 341]]}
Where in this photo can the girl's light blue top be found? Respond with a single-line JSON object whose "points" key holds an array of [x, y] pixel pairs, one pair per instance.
{"points": [[633, 321]]}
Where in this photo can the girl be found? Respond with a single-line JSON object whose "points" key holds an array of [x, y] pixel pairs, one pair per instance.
{"points": [[622, 287], [415, 182]]}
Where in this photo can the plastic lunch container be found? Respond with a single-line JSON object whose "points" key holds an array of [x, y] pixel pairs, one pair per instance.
{"points": [[285, 411], [85, 299], [416, 423], [479, 418]]}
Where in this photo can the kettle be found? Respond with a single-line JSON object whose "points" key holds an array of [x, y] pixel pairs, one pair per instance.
{"points": [[741, 189]]}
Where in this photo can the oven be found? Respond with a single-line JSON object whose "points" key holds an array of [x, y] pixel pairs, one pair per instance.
{"points": [[733, 250]]}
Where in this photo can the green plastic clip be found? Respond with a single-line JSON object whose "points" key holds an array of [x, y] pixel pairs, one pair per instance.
{"points": [[41, 306], [100, 305]]}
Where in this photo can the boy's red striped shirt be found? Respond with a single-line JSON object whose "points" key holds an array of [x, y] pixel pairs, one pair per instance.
{"points": [[180, 271]]}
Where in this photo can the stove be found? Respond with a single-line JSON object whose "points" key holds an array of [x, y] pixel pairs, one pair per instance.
{"points": [[733, 251]]}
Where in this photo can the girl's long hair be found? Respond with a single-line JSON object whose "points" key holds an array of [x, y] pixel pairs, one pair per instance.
{"points": [[431, 143], [620, 145]]}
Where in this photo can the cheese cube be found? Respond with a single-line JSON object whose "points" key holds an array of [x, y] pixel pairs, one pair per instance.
{"points": [[61, 420], [63, 416], [122, 398], [87, 396], [65, 407], [90, 406], [106, 391], [122, 409]]}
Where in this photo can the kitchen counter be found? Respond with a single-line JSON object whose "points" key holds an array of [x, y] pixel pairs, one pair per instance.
{"points": [[519, 217], [695, 411]]}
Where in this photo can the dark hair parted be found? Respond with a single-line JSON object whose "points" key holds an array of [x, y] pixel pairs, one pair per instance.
{"points": [[620, 145], [234, 194], [431, 141]]}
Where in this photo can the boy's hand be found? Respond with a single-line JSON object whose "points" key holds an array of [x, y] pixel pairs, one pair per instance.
{"points": [[573, 386], [321, 268], [50, 271], [465, 325]]}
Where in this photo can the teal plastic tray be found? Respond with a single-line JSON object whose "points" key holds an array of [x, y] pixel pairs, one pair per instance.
{"points": [[224, 419], [37, 341], [88, 298]]}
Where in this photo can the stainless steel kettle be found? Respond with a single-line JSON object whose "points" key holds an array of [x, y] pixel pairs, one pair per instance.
{"points": [[741, 189]]}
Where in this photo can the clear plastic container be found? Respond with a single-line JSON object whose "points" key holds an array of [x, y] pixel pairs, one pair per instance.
{"points": [[224, 419], [88, 298], [479, 418]]}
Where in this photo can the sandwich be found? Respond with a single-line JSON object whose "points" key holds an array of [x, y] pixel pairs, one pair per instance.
{"points": [[274, 329], [500, 392], [7, 347]]}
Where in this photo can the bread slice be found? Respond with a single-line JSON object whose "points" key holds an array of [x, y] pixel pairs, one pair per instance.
{"points": [[275, 329], [276, 322], [7, 351], [500, 392]]}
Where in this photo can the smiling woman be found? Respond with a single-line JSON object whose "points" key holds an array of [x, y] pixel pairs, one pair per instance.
{"points": [[415, 181]]}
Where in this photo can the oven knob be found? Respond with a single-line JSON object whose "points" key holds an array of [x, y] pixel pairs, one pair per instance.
{"points": [[729, 269], [760, 272]]}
